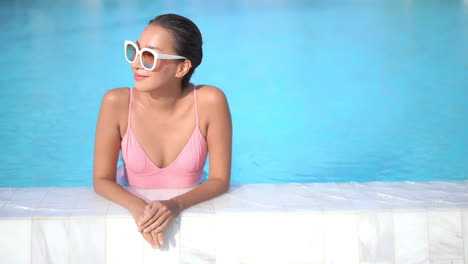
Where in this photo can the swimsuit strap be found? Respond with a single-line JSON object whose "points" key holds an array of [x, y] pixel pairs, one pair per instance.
{"points": [[130, 108], [195, 103]]}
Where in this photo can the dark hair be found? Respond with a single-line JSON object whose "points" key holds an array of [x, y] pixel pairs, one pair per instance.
{"points": [[187, 39]]}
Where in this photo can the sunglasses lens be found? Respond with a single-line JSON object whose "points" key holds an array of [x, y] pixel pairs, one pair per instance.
{"points": [[148, 59], [130, 52]]}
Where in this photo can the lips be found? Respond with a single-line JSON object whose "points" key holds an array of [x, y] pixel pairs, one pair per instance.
{"points": [[139, 77]]}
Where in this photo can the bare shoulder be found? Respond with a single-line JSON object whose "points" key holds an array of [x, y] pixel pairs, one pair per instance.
{"points": [[214, 106], [116, 97], [211, 96], [114, 104]]}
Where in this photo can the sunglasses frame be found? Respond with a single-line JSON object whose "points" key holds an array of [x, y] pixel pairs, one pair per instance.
{"points": [[156, 55]]}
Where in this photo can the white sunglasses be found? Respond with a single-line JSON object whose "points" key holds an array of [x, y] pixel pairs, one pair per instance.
{"points": [[148, 57]]}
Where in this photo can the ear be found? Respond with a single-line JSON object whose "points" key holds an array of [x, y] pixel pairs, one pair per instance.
{"points": [[183, 68]]}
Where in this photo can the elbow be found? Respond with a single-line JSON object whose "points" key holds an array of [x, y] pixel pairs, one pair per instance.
{"points": [[97, 185], [225, 188], [220, 186]]}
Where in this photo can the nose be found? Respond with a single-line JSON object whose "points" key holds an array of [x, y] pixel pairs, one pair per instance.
{"points": [[137, 63]]}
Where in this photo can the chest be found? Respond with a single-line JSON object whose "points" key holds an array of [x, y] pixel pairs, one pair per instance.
{"points": [[163, 136]]}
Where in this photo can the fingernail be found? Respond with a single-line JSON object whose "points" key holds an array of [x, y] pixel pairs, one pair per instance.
{"points": [[146, 231]]}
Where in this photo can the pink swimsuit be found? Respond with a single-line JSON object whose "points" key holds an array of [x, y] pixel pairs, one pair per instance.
{"points": [[185, 171]]}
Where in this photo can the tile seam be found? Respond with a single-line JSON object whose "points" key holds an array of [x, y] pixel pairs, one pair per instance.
{"points": [[394, 238], [462, 218], [31, 241], [68, 222], [358, 238], [324, 257], [105, 240], [428, 236]]}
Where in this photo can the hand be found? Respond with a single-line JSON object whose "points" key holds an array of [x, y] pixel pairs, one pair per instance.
{"points": [[153, 240], [158, 215]]}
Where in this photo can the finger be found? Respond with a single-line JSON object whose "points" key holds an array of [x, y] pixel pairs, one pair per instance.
{"points": [[160, 238], [137, 222], [148, 238], [155, 219], [149, 222], [148, 215], [159, 227], [156, 241], [157, 223], [164, 225]]}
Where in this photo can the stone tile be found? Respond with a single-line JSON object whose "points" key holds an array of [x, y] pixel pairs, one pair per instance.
{"points": [[87, 240], [198, 239], [376, 237], [15, 242], [269, 238], [19, 209], [341, 238], [96, 207], [116, 210], [255, 198], [446, 261], [49, 241], [445, 234], [124, 244], [54, 209], [6, 193], [465, 233], [411, 237], [329, 197], [30, 194], [365, 198], [61, 194], [201, 209]]}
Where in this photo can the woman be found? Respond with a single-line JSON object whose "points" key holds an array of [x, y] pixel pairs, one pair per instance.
{"points": [[165, 126]]}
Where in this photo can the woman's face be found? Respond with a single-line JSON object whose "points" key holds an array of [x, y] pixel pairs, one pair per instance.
{"points": [[159, 39]]}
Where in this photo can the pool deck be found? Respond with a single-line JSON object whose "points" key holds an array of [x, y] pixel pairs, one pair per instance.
{"points": [[373, 222]]}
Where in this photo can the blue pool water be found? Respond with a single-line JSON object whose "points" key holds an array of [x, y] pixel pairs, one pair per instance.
{"points": [[320, 91]]}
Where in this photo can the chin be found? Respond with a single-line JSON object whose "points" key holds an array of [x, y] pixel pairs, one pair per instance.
{"points": [[143, 88]]}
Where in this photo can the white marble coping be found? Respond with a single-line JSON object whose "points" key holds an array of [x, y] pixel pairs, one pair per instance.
{"points": [[291, 198], [324, 223]]}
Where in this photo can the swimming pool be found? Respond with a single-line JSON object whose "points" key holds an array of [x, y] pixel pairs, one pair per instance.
{"points": [[320, 91]]}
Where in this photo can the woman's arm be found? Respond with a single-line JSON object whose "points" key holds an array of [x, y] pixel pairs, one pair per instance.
{"points": [[219, 139], [106, 153]]}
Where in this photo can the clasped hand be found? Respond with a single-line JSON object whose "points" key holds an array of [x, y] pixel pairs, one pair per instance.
{"points": [[155, 218]]}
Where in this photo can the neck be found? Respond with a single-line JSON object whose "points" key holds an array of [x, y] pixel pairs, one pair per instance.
{"points": [[164, 98]]}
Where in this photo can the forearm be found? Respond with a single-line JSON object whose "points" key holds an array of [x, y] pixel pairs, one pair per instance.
{"points": [[115, 192], [205, 191]]}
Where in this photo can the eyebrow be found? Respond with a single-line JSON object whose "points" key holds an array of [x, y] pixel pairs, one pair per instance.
{"points": [[151, 47]]}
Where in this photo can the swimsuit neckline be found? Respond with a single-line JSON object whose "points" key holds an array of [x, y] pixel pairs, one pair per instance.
{"points": [[129, 130]]}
